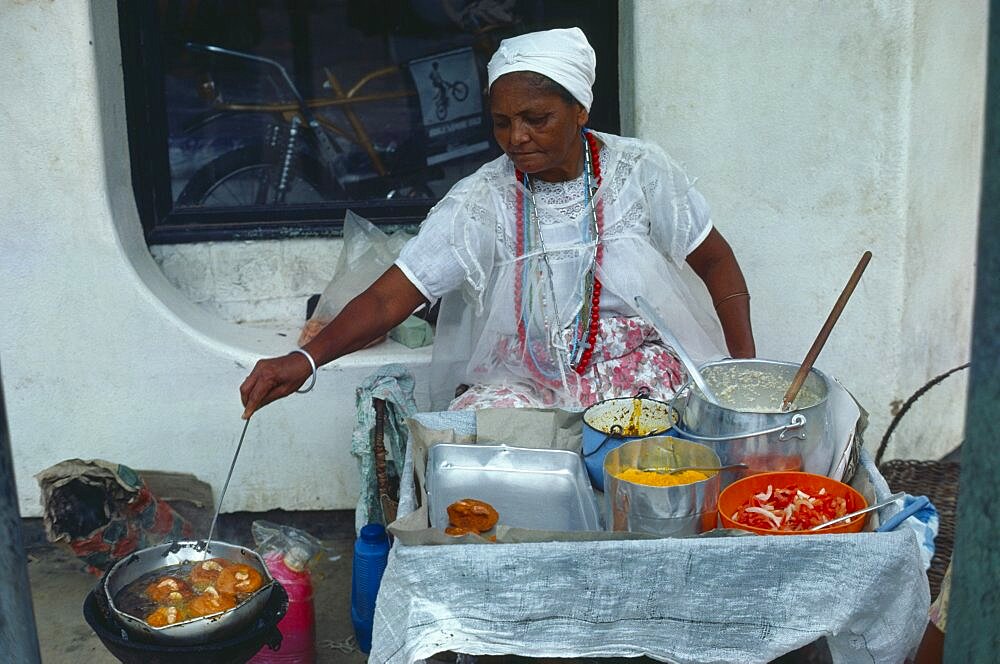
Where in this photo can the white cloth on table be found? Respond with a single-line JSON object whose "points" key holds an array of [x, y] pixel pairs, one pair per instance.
{"points": [[466, 254], [730, 599]]}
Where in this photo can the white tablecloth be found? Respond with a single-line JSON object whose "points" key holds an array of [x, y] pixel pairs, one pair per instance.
{"points": [[726, 599]]}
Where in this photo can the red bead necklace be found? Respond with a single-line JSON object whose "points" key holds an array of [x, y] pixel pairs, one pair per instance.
{"points": [[592, 164]]}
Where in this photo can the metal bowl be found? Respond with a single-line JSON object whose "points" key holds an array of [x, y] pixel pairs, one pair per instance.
{"points": [[668, 511], [196, 630]]}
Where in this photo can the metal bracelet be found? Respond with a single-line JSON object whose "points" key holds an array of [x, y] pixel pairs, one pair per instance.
{"points": [[730, 297], [312, 365]]}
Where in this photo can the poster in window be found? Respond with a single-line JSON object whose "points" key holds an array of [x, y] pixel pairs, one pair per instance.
{"points": [[451, 104]]}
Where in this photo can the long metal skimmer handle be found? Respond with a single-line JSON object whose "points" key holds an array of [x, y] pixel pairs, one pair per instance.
{"points": [[650, 314], [211, 531]]}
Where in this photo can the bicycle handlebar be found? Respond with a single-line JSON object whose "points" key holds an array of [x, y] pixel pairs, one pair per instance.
{"points": [[329, 148], [208, 48]]}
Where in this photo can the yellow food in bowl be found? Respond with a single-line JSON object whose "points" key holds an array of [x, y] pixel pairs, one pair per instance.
{"points": [[653, 478]]}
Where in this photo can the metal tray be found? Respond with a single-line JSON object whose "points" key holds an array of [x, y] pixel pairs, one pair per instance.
{"points": [[530, 488]]}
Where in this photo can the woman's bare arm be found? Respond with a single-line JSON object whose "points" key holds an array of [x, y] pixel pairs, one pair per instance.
{"points": [[716, 264], [383, 306]]}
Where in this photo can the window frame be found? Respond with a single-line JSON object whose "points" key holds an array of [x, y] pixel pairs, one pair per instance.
{"points": [[147, 129]]}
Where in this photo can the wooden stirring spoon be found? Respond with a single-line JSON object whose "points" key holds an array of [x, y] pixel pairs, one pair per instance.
{"points": [[824, 332]]}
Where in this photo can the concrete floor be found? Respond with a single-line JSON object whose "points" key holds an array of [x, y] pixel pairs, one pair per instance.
{"points": [[59, 585]]}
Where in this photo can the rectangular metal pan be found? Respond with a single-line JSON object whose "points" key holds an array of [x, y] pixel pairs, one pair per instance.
{"points": [[529, 488]]}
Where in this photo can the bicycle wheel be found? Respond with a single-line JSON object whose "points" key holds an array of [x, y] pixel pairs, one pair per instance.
{"points": [[247, 177], [460, 91], [441, 107]]}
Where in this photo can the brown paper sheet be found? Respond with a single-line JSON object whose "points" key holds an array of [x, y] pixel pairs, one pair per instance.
{"points": [[536, 428]]}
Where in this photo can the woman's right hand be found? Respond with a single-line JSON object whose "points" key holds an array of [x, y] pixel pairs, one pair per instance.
{"points": [[272, 379]]}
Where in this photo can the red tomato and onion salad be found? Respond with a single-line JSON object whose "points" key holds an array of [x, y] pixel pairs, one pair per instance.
{"points": [[790, 509]]}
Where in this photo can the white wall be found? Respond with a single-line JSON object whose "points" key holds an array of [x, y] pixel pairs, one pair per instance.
{"points": [[101, 355], [818, 130], [251, 282]]}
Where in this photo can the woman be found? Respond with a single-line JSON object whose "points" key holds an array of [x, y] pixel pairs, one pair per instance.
{"points": [[539, 255], [931, 648]]}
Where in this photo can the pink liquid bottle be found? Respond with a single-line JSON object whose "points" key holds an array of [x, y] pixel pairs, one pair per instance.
{"points": [[298, 627]]}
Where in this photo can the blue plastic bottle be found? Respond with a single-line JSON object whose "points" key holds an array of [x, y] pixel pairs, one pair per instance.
{"points": [[371, 551]]}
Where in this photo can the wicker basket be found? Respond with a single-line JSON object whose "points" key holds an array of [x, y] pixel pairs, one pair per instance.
{"points": [[938, 480]]}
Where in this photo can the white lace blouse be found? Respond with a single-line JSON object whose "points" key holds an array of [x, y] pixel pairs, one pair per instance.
{"points": [[465, 254]]}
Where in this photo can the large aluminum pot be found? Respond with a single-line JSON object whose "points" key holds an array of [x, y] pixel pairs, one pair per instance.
{"points": [[668, 511], [606, 424], [196, 630], [749, 427]]}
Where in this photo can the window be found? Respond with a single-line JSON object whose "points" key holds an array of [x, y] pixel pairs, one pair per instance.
{"points": [[272, 118]]}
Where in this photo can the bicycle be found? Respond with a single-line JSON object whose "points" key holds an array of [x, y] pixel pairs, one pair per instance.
{"points": [[297, 160], [458, 89]]}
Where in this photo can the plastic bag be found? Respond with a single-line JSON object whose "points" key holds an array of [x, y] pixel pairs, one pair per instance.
{"points": [[367, 253], [274, 538], [104, 511], [920, 515], [288, 553]]}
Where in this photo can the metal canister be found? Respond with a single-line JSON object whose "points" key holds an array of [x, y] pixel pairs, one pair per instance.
{"points": [[668, 511], [748, 425]]}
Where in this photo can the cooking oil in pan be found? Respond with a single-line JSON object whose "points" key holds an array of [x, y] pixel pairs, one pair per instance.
{"points": [[191, 589]]}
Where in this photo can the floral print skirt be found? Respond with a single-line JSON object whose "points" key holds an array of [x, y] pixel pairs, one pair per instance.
{"points": [[629, 355]]}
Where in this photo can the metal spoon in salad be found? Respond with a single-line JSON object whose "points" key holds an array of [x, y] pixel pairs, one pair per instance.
{"points": [[847, 517]]}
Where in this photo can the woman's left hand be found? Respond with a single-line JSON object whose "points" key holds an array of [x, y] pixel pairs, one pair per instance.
{"points": [[716, 264]]}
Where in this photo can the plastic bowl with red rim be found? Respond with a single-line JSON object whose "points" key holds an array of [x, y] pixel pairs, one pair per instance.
{"points": [[741, 491]]}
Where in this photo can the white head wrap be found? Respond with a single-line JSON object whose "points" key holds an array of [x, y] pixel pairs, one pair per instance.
{"points": [[563, 54]]}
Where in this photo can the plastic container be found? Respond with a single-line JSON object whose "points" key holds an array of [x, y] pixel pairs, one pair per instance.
{"points": [[739, 492], [298, 627], [371, 552]]}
